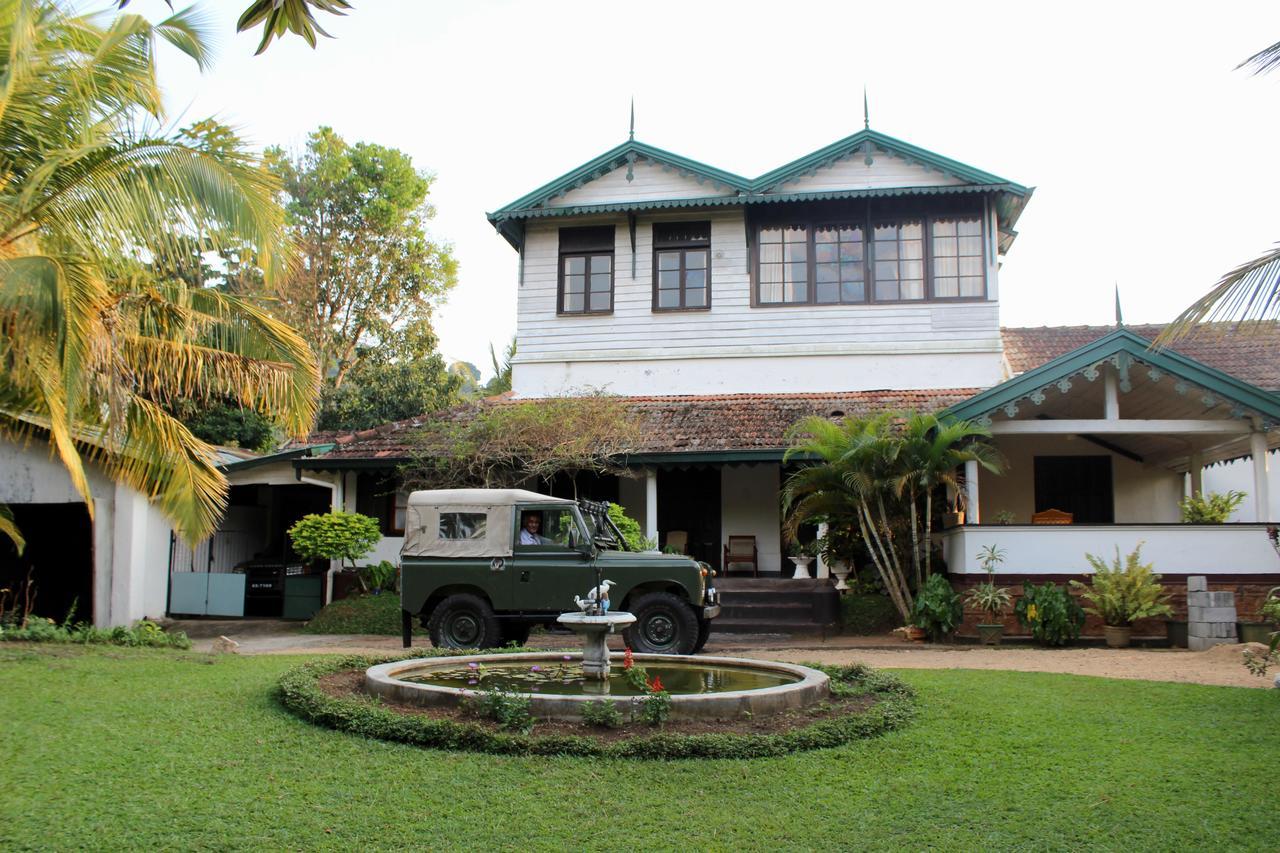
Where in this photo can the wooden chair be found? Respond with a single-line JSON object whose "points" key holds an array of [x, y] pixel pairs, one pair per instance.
{"points": [[1052, 516], [678, 539], [741, 551]]}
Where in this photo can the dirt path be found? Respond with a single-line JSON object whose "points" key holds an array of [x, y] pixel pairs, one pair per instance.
{"points": [[1217, 666]]}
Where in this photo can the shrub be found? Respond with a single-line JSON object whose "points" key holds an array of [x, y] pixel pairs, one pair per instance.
{"points": [[508, 709], [143, 633], [986, 596], [937, 609], [360, 614], [1213, 508], [344, 536], [1122, 593], [1052, 616], [379, 576], [632, 535], [602, 714], [871, 613]]}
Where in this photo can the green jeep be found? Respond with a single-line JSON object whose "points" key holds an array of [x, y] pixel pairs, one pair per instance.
{"points": [[481, 567]]}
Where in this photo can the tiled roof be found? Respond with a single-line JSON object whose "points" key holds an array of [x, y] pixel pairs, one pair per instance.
{"points": [[1250, 355], [679, 424]]}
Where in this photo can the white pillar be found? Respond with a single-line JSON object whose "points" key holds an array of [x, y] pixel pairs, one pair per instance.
{"points": [[1261, 494], [1195, 467], [822, 569], [972, 513], [651, 504], [1111, 397]]}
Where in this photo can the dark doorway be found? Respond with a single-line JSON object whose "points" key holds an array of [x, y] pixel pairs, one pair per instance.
{"points": [[1080, 485], [59, 557], [689, 500]]}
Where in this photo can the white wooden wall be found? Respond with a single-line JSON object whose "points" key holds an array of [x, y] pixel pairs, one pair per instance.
{"points": [[852, 172], [648, 181]]}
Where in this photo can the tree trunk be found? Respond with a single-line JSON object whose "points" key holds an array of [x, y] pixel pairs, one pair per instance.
{"points": [[928, 533], [869, 536], [915, 540]]}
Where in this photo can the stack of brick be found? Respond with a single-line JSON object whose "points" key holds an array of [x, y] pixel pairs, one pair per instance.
{"points": [[1211, 616]]}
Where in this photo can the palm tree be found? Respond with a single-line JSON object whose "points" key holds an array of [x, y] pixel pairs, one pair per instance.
{"points": [[933, 450], [94, 342], [1250, 292]]}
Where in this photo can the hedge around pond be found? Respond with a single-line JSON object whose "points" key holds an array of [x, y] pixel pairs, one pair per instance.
{"points": [[300, 693]]}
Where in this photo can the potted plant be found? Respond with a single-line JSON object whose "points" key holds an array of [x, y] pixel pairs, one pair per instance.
{"points": [[1269, 614], [837, 548], [800, 555], [938, 609], [989, 598], [1213, 508], [1005, 517], [955, 516], [1122, 593]]}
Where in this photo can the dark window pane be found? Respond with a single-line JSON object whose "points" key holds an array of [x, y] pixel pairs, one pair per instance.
{"points": [[695, 260], [851, 272], [886, 271], [771, 254], [668, 260], [770, 235], [825, 252], [600, 283], [826, 292], [826, 272], [574, 283], [575, 266], [669, 280], [696, 298], [695, 278], [600, 301], [853, 292], [668, 299], [573, 302], [601, 263]]}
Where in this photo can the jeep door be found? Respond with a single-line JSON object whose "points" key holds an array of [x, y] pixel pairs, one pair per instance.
{"points": [[551, 560]]}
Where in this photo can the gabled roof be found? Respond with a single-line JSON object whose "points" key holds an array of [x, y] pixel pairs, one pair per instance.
{"points": [[1011, 197], [1251, 354], [1123, 346]]}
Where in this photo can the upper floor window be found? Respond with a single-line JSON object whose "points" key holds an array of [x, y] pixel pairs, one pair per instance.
{"points": [[906, 259], [586, 270], [681, 266]]}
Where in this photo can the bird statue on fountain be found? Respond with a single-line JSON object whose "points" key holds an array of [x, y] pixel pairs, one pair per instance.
{"points": [[593, 603]]}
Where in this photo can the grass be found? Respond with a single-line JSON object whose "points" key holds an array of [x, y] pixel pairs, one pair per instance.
{"points": [[109, 748], [361, 614]]}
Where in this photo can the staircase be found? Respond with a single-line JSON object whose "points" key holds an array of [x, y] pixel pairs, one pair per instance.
{"points": [[775, 606]]}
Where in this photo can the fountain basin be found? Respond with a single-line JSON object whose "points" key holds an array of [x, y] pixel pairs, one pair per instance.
{"points": [[792, 686]]}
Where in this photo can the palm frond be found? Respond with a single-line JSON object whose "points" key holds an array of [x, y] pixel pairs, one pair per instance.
{"points": [[1264, 61], [1249, 295], [10, 529]]}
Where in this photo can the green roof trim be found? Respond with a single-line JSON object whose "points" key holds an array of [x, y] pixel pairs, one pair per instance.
{"points": [[280, 456], [1120, 341], [1011, 197]]}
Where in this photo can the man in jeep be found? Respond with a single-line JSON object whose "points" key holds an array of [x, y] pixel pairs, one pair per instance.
{"points": [[481, 567]]}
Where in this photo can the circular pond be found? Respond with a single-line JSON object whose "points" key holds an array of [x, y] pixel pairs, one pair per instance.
{"points": [[700, 687]]}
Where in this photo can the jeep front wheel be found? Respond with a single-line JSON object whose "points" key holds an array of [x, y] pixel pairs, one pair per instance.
{"points": [[664, 625], [464, 621]]}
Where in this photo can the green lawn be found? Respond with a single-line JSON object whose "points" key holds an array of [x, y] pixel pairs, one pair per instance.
{"points": [[110, 748]]}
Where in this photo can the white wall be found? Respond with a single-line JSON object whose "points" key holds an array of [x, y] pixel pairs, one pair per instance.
{"points": [[852, 172], [1142, 493], [1238, 476], [648, 181], [896, 346], [749, 506]]}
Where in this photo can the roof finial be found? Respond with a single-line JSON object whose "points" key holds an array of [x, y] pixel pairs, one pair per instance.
{"points": [[632, 137], [866, 111], [1119, 315]]}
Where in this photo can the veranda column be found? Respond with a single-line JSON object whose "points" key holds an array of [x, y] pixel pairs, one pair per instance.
{"points": [[972, 515], [1195, 467], [651, 504], [1261, 494]]}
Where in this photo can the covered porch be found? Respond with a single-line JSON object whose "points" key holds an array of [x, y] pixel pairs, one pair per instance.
{"points": [[1112, 436]]}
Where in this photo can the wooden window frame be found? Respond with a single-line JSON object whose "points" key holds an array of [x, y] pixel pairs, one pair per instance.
{"points": [[683, 247], [867, 223], [588, 254]]}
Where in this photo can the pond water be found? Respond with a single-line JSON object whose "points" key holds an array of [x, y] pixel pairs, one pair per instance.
{"points": [[565, 677]]}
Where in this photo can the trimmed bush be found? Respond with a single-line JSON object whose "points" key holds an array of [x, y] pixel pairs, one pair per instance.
{"points": [[1053, 617], [144, 633], [361, 614], [868, 614], [299, 692]]}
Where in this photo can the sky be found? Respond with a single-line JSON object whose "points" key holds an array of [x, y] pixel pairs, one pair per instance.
{"points": [[1154, 161]]}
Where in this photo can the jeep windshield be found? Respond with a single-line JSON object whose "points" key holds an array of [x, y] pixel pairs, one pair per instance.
{"points": [[603, 531]]}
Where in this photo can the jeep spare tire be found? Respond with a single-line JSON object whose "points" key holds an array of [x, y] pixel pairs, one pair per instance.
{"points": [[464, 621], [664, 625]]}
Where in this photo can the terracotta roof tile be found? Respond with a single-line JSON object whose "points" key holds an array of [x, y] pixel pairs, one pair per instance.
{"points": [[1251, 355], [688, 423]]}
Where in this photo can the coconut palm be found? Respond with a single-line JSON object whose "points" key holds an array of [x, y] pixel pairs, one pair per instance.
{"points": [[1251, 291], [95, 343]]}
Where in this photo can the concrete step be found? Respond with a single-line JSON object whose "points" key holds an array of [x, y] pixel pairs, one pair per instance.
{"points": [[729, 625]]}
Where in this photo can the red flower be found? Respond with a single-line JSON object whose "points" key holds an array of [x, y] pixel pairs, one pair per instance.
{"points": [[627, 660], [655, 686]]}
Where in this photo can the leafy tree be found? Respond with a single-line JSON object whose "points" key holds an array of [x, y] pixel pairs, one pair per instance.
{"points": [[280, 16], [96, 344], [384, 387], [1251, 291], [229, 425], [468, 377], [368, 276], [337, 535]]}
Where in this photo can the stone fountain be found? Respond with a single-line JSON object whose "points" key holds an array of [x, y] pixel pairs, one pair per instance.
{"points": [[594, 623]]}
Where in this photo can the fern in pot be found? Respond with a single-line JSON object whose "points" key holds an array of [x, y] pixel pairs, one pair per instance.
{"points": [[1122, 593], [992, 600]]}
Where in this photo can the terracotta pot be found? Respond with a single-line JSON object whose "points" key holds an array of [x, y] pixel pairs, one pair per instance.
{"points": [[914, 634], [952, 519], [1118, 636], [990, 635]]}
